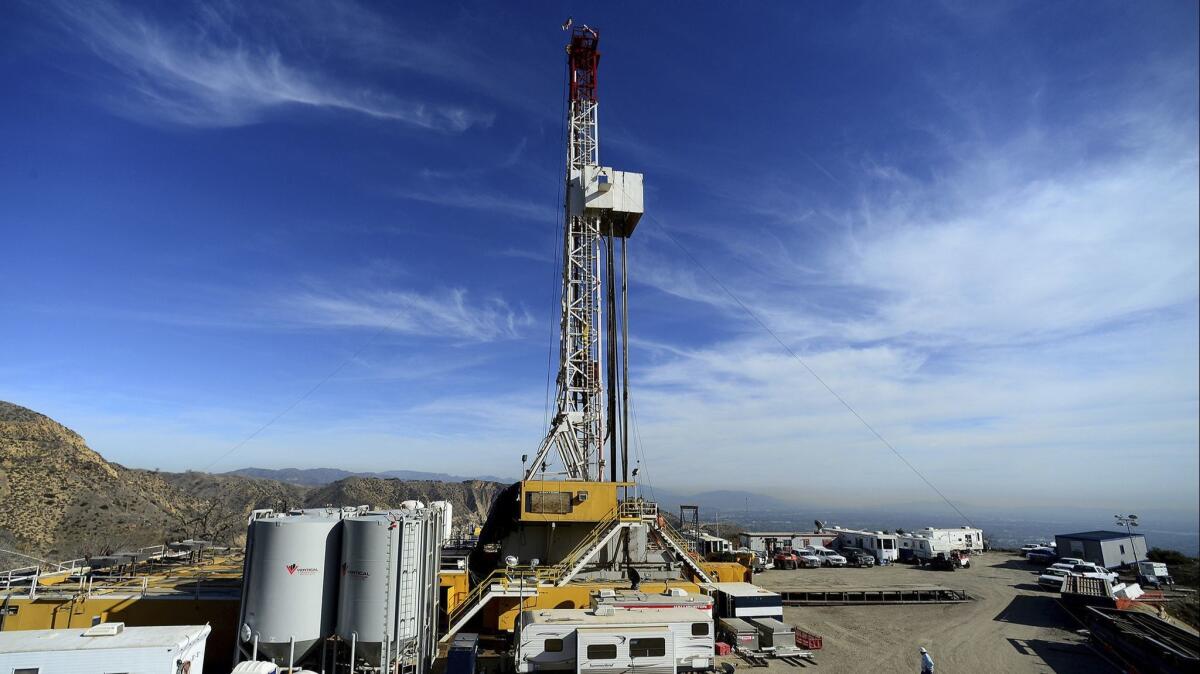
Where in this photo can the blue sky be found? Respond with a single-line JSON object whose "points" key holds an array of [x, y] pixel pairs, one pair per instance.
{"points": [[977, 223]]}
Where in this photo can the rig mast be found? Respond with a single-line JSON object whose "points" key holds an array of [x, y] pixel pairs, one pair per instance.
{"points": [[601, 205]]}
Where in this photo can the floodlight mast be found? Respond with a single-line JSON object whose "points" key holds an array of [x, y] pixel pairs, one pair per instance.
{"points": [[601, 204]]}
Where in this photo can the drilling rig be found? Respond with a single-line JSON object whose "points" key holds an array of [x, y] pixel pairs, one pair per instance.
{"points": [[568, 529]]}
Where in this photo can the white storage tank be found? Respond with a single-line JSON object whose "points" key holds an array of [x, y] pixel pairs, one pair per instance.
{"points": [[447, 517], [367, 594], [388, 599], [290, 583]]}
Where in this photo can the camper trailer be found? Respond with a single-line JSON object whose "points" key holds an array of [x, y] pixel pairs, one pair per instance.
{"points": [[609, 639], [884, 547], [966, 539]]}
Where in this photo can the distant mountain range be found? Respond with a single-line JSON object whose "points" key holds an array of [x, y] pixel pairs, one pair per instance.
{"points": [[319, 477], [729, 500]]}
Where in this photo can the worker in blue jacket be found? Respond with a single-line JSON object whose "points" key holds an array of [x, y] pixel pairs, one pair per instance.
{"points": [[926, 662]]}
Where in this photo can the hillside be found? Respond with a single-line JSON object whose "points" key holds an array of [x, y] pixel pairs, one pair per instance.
{"points": [[471, 499], [59, 498]]}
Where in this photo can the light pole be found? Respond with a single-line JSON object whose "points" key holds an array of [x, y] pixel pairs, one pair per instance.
{"points": [[510, 562], [1129, 521]]}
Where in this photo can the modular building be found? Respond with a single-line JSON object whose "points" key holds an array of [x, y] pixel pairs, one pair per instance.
{"points": [[745, 601], [707, 544], [767, 542], [615, 640], [882, 546], [1106, 548], [106, 647]]}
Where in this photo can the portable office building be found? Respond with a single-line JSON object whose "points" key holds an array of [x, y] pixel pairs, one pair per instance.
{"points": [[1109, 549], [107, 647], [745, 600], [608, 640], [767, 542]]}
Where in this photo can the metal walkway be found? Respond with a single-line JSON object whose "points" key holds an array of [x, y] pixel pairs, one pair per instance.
{"points": [[930, 594]]}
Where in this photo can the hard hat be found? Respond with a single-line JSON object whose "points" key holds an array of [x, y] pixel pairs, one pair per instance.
{"points": [[923, 650]]}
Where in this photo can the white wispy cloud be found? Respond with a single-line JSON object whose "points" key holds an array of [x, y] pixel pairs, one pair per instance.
{"points": [[448, 313], [478, 200], [203, 72], [1032, 304]]}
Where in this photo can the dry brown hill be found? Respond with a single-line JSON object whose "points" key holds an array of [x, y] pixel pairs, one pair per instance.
{"points": [[471, 499], [58, 498]]}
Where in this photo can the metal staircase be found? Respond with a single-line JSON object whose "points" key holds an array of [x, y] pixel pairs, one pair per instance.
{"points": [[676, 542], [523, 581]]}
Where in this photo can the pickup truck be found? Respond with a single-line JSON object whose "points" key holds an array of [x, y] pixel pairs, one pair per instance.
{"points": [[1052, 579], [1088, 569], [857, 557], [785, 559], [828, 557]]}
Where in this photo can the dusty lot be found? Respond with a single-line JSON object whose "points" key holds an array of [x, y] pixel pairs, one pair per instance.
{"points": [[1011, 626]]}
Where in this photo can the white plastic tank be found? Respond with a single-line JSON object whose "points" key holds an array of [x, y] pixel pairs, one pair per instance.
{"points": [[290, 582], [447, 519]]}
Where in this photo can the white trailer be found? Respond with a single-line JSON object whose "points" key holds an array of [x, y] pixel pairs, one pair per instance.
{"points": [[885, 547], [966, 539], [607, 640], [103, 648]]}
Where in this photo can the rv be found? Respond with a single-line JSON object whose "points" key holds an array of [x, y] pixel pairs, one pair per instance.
{"points": [[882, 546], [608, 639], [966, 539]]}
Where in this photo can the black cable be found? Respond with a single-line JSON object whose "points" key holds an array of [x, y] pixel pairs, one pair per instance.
{"points": [[800, 360]]}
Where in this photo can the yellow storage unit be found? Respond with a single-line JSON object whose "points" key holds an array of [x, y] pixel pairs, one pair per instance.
{"points": [[727, 572], [569, 500]]}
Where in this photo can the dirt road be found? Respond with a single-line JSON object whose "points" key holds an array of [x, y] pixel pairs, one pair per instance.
{"points": [[1011, 626]]}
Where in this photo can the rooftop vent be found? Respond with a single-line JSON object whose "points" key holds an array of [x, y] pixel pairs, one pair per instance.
{"points": [[105, 630], [605, 609]]}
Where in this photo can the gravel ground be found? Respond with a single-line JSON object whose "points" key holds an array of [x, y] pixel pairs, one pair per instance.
{"points": [[1011, 626]]}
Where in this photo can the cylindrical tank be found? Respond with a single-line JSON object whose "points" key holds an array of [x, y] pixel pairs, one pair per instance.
{"points": [[291, 582], [447, 509], [366, 601]]}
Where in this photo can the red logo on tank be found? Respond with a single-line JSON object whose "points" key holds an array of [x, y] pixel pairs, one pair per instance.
{"points": [[291, 569]]}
